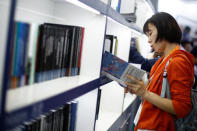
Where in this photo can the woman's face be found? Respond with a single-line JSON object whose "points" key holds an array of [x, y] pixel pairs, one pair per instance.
{"points": [[158, 46]]}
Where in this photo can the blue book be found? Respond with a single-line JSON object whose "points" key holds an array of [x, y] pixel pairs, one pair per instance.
{"points": [[21, 43], [118, 69], [73, 115]]}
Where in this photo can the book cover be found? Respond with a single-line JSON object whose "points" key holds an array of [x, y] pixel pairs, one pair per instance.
{"points": [[117, 69], [35, 31], [19, 55], [42, 123], [40, 52], [28, 126], [49, 121], [80, 50], [67, 116], [61, 118], [71, 35], [73, 115], [65, 52], [60, 40]]}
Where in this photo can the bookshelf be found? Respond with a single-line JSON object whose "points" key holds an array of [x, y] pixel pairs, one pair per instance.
{"points": [[19, 105], [113, 100]]}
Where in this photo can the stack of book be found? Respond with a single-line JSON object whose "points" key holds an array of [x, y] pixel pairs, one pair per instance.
{"points": [[61, 119], [56, 52]]}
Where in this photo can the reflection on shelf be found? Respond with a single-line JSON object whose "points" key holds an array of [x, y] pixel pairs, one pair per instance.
{"points": [[82, 5]]}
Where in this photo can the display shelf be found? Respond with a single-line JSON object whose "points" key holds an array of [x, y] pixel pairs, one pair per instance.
{"points": [[125, 121], [120, 19], [151, 6], [26, 113], [109, 11], [27, 95], [28, 102], [97, 5], [105, 120], [128, 100]]}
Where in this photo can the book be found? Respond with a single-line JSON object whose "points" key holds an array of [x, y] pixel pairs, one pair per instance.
{"points": [[18, 62], [73, 115], [67, 116], [117, 69]]}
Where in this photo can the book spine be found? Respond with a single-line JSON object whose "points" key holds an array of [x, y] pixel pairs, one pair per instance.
{"points": [[81, 47], [65, 50], [72, 51], [75, 48], [61, 48], [73, 115], [78, 51], [40, 52], [69, 51], [33, 60], [11, 83], [67, 116]]}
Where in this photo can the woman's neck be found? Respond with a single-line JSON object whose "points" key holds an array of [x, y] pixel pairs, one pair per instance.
{"points": [[169, 47]]}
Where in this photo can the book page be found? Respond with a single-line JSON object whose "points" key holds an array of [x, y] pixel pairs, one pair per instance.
{"points": [[133, 71]]}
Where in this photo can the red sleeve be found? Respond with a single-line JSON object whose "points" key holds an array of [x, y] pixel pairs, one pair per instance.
{"points": [[180, 77]]}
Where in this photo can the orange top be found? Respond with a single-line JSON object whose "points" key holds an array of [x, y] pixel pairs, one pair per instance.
{"points": [[180, 75]]}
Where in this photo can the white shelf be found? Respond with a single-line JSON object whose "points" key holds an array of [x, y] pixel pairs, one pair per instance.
{"points": [[106, 119], [27, 95], [128, 100]]}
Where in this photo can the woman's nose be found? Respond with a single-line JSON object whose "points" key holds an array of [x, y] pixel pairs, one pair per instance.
{"points": [[149, 40]]}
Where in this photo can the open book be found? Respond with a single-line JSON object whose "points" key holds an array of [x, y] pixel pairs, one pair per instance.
{"points": [[117, 69]]}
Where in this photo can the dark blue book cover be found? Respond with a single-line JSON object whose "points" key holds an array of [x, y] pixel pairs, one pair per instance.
{"points": [[113, 65], [118, 69], [73, 115]]}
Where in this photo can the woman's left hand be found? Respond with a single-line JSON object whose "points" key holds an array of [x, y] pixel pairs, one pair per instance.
{"points": [[136, 87]]}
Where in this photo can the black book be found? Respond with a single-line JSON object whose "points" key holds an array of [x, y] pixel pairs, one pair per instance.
{"points": [[59, 44], [38, 124], [42, 123], [50, 49], [48, 122], [75, 52], [65, 53], [28, 126], [67, 115], [40, 53], [56, 120], [71, 38], [61, 118], [80, 51]]}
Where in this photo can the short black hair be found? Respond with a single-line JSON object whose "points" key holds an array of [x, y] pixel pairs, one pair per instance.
{"points": [[194, 51], [184, 42], [167, 27], [187, 29]]}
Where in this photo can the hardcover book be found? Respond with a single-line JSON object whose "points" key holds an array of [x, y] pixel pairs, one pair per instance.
{"points": [[118, 69]]}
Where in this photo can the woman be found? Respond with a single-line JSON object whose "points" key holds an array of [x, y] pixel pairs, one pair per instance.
{"points": [[158, 113]]}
